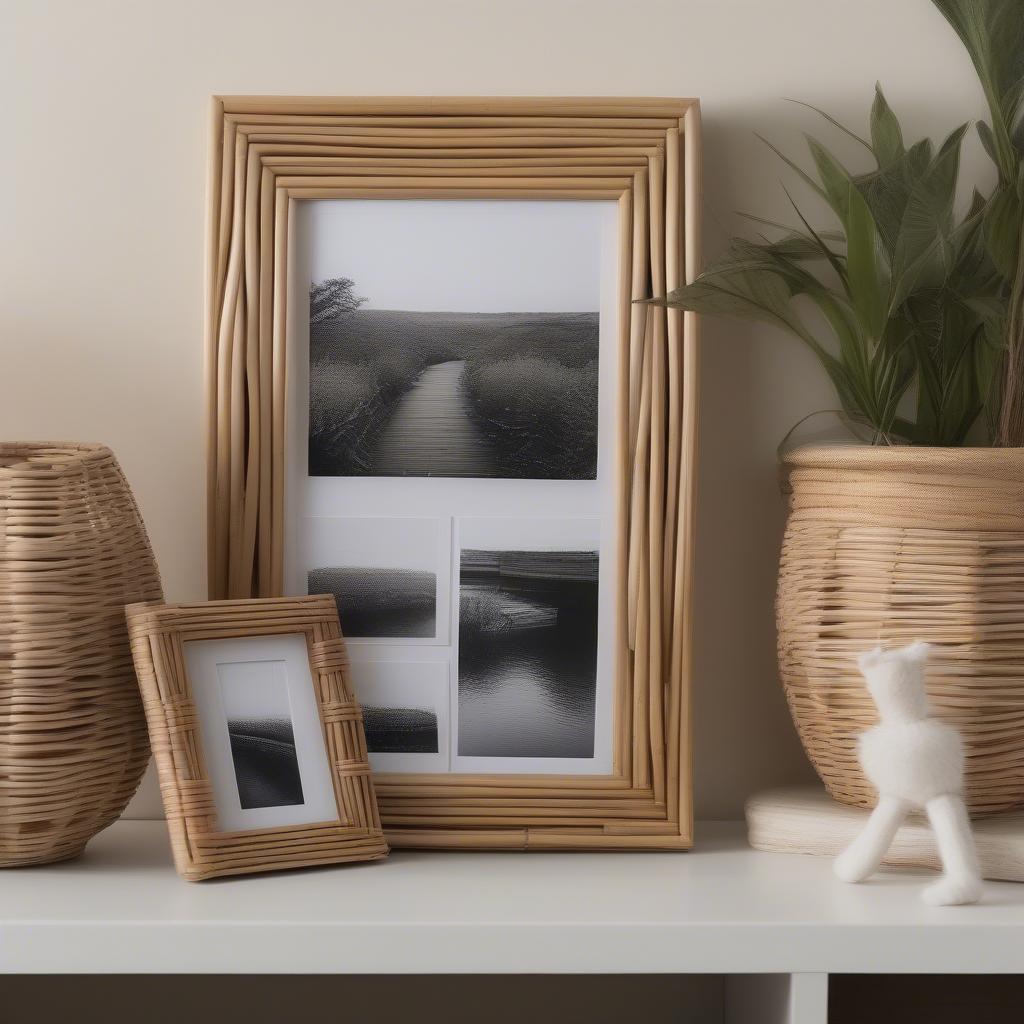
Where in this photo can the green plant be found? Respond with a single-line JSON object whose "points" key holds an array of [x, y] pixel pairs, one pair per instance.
{"points": [[904, 293], [993, 33]]}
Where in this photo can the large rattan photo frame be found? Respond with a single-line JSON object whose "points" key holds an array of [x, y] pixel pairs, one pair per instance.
{"points": [[270, 153], [324, 811]]}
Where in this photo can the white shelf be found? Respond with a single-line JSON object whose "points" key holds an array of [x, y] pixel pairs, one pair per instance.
{"points": [[722, 909]]}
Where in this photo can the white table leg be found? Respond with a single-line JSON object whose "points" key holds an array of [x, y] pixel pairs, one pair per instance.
{"points": [[776, 998]]}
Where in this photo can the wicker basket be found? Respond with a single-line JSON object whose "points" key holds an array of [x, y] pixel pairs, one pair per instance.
{"points": [[73, 741], [889, 545]]}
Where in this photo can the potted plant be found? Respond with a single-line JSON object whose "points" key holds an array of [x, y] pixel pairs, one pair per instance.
{"points": [[910, 534]]}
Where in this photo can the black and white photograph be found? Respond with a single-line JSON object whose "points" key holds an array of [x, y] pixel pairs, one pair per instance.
{"points": [[527, 653], [442, 344], [388, 576], [378, 602], [405, 712], [262, 735], [400, 730]]}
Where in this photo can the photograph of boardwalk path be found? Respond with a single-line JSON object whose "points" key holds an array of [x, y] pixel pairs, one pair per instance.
{"points": [[432, 431], [450, 394]]}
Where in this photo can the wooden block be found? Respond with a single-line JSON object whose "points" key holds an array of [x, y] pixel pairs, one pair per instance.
{"points": [[805, 819]]}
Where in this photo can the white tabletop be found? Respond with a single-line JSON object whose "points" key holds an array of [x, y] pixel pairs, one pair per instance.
{"points": [[721, 908]]}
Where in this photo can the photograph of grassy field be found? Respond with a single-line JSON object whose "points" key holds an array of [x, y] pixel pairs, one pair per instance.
{"points": [[460, 394], [379, 602], [394, 730], [406, 711]]}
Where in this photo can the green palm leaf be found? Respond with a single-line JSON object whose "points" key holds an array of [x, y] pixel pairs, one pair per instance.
{"points": [[886, 135], [903, 294], [993, 33]]}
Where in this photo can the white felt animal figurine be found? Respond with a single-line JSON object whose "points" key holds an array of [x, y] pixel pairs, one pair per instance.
{"points": [[914, 762]]}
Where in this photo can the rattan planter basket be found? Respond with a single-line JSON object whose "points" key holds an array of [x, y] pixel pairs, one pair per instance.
{"points": [[73, 740], [889, 545]]}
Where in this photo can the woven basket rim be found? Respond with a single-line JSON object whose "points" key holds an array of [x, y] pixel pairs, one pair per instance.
{"points": [[1003, 462], [17, 456]]}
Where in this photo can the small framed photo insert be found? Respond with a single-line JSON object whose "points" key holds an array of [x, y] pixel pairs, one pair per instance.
{"points": [[258, 741], [439, 398]]}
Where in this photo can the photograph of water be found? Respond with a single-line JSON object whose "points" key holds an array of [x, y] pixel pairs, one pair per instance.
{"points": [[380, 602], [527, 659], [404, 393], [265, 761], [396, 730]]}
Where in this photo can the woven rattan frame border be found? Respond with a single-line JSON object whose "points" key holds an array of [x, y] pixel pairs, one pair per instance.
{"points": [[268, 153], [201, 850]]}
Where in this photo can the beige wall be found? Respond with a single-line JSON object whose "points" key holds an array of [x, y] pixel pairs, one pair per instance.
{"points": [[102, 174]]}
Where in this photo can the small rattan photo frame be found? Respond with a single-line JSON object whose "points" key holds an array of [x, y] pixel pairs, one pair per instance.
{"points": [[240, 798]]}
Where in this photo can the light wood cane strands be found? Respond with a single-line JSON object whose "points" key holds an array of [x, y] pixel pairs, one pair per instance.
{"points": [[310, 148], [201, 849]]}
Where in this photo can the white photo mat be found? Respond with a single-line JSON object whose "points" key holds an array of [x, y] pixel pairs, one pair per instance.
{"points": [[560, 505]]}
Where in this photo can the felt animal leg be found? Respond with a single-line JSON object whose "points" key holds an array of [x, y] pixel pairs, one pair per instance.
{"points": [[863, 856], [961, 879]]}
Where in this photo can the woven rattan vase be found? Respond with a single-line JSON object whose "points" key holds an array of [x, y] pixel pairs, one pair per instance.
{"points": [[73, 740], [890, 545]]}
